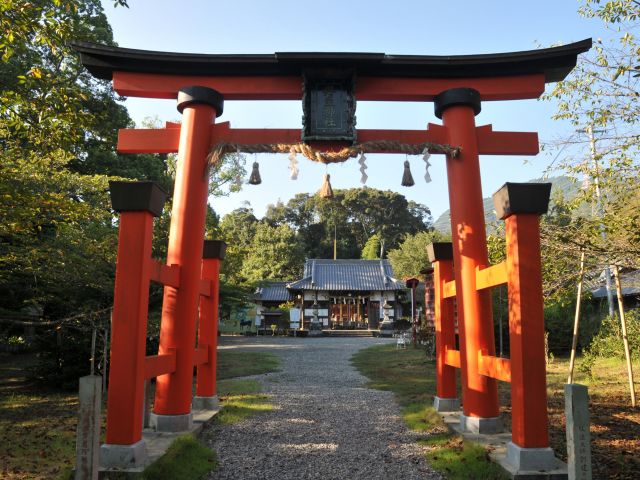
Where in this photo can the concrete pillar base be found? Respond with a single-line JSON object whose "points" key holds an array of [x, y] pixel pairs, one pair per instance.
{"points": [[531, 459], [482, 425], [123, 456], [172, 423], [446, 404], [205, 403]]}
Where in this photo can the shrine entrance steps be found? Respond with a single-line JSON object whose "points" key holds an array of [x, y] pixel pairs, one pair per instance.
{"points": [[350, 333]]}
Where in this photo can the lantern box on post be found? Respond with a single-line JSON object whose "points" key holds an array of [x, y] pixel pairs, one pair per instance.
{"points": [[216, 249], [137, 196], [522, 198], [440, 251]]}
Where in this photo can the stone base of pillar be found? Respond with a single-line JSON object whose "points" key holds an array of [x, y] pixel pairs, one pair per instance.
{"points": [[172, 423], [482, 425], [446, 404], [531, 459], [122, 457], [205, 403]]}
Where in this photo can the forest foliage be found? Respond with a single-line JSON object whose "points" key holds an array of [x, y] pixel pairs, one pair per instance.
{"points": [[58, 128]]}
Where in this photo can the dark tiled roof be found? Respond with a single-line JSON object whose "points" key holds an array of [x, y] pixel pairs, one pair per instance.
{"points": [[555, 62], [629, 283], [352, 275], [273, 292]]}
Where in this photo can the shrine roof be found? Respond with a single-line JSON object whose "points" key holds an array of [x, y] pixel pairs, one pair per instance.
{"points": [[347, 275], [555, 63], [273, 292]]}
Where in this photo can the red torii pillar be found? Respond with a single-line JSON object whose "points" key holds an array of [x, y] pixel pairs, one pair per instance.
{"points": [[520, 206], [206, 395], [199, 106], [457, 108], [446, 399], [138, 203]]}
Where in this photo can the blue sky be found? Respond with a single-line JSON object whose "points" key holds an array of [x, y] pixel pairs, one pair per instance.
{"points": [[402, 27]]}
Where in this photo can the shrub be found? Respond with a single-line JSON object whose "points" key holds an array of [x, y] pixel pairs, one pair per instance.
{"points": [[608, 343], [558, 319]]}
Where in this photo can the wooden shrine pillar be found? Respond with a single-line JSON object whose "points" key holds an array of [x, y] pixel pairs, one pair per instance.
{"points": [[137, 203], [206, 395], [446, 399], [457, 108], [199, 106], [520, 206]]}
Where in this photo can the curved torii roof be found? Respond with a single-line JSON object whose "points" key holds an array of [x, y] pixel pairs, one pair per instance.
{"points": [[555, 63]]}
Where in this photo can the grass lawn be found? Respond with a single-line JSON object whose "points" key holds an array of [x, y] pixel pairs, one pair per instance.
{"points": [[239, 400], [186, 459], [615, 425], [38, 426], [232, 364]]}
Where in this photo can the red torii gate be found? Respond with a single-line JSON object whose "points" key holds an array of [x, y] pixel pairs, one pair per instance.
{"points": [[200, 83]]}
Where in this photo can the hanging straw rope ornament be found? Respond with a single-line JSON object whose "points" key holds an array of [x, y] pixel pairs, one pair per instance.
{"points": [[382, 146], [425, 156], [407, 178], [352, 151], [293, 164], [363, 169], [325, 190]]}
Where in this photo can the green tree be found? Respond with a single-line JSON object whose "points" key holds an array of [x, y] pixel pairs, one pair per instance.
{"points": [[238, 229], [600, 97], [228, 175], [385, 213], [410, 258], [274, 254], [57, 137], [371, 250]]}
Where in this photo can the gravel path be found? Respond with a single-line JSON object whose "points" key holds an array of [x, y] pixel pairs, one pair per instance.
{"points": [[325, 423]]}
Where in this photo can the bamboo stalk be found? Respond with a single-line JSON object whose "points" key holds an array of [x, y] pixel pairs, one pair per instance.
{"points": [[576, 321], [624, 335]]}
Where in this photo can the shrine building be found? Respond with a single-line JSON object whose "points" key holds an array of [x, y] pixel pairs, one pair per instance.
{"points": [[347, 294]]}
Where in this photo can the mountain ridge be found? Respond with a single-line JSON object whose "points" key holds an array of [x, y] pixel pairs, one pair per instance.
{"points": [[564, 186]]}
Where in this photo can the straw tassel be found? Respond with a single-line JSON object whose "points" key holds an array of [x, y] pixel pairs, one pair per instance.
{"points": [[407, 178], [326, 191], [254, 178]]}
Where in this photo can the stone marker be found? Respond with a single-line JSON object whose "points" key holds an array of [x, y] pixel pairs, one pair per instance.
{"points": [[576, 409], [88, 432]]}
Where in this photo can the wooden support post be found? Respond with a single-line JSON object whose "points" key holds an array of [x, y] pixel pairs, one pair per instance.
{"points": [[625, 340], [576, 321]]}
